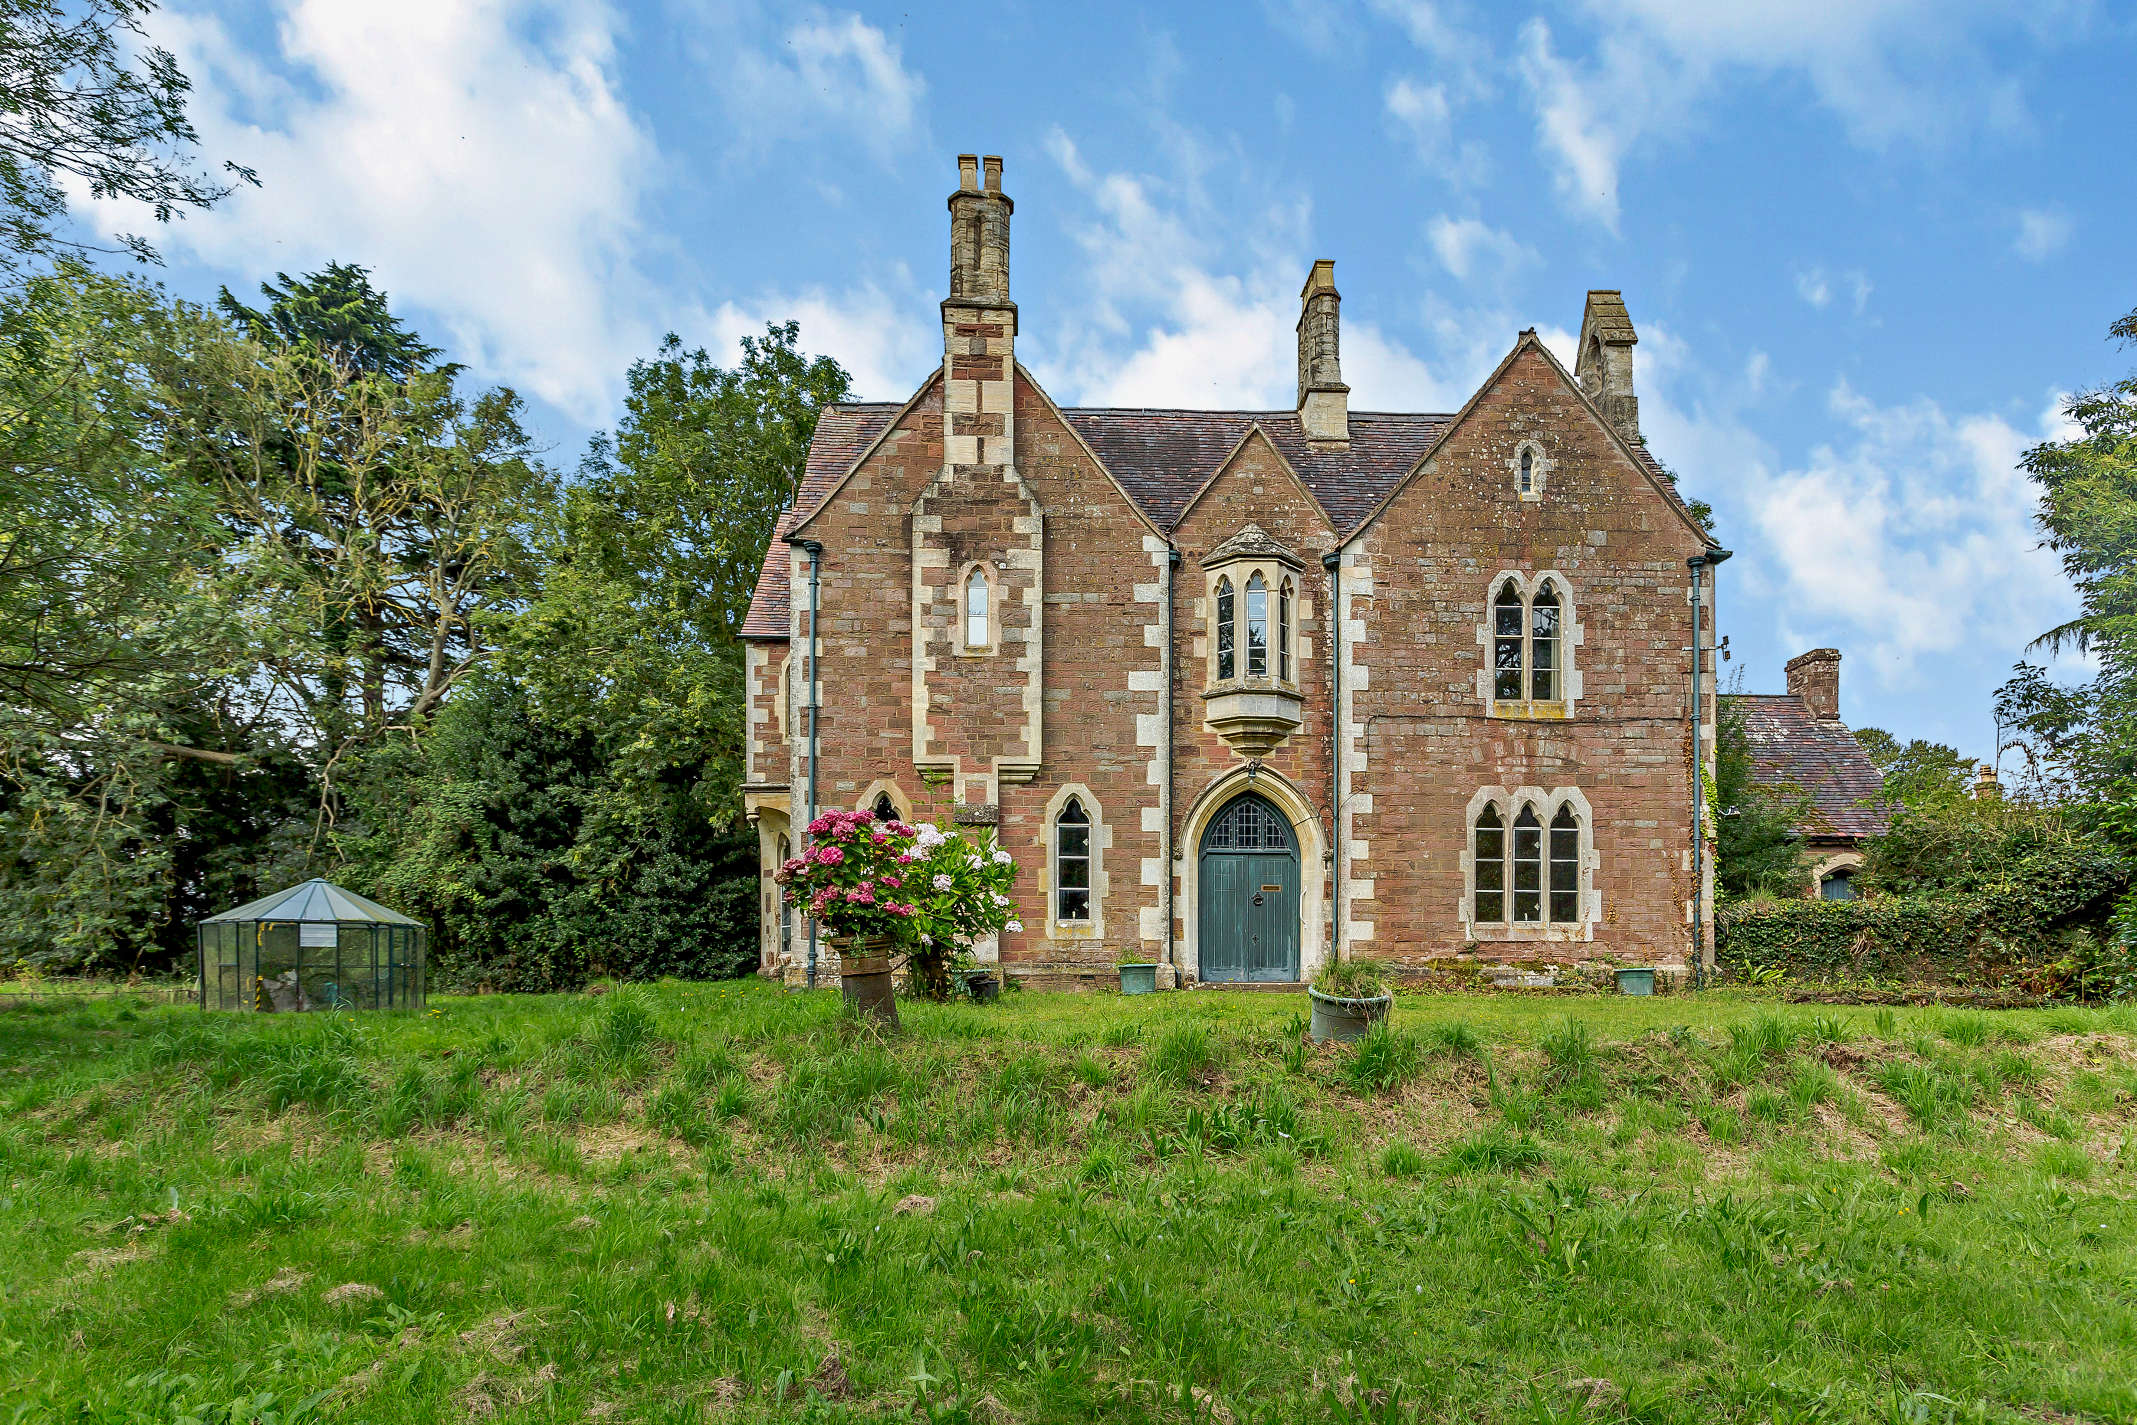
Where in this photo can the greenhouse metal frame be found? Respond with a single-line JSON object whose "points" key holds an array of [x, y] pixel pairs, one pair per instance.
{"points": [[313, 946]]}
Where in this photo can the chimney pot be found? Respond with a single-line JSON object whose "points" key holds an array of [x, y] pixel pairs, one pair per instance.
{"points": [[968, 172], [1815, 678], [993, 168]]}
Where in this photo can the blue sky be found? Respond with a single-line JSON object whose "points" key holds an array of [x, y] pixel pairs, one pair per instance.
{"points": [[1866, 245]]}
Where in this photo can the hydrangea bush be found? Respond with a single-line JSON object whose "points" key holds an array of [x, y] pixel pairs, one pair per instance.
{"points": [[933, 891]]}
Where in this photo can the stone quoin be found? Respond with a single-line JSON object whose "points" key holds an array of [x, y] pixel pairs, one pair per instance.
{"points": [[1242, 690]]}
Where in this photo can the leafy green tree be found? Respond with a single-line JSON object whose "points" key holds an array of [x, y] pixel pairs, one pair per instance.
{"points": [[1757, 840], [1918, 772], [74, 105]]}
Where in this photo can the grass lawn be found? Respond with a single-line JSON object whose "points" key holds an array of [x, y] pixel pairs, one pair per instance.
{"points": [[705, 1202]]}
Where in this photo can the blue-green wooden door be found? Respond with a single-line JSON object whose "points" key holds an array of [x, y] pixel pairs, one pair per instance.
{"points": [[1248, 902]]}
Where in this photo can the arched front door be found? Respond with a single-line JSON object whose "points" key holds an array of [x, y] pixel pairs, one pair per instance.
{"points": [[1248, 908]]}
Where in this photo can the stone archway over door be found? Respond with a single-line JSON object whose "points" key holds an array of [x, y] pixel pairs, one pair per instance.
{"points": [[1248, 895]]}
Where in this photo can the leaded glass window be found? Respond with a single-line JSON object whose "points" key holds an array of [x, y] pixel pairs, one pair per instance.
{"points": [[1283, 631], [1528, 868], [1543, 644], [1488, 856], [1257, 627], [1072, 863], [1565, 867], [1224, 628], [1250, 824], [1507, 618], [1528, 471]]}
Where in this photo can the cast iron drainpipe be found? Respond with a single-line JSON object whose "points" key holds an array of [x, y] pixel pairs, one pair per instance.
{"points": [[1172, 951], [1338, 913], [815, 551], [1713, 558]]}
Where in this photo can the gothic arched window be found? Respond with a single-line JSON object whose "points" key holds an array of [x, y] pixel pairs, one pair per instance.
{"points": [[1508, 616], [1565, 867], [1488, 857], [1283, 631], [1225, 665], [976, 618], [1528, 471], [1543, 643], [1072, 862], [1528, 868], [885, 809], [1257, 628]]}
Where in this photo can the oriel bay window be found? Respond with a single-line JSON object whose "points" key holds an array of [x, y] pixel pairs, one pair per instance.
{"points": [[1253, 700], [1527, 868]]}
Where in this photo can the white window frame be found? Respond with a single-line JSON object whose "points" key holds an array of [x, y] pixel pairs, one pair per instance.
{"points": [[962, 596], [1285, 654], [1101, 835], [1571, 636], [1508, 803]]}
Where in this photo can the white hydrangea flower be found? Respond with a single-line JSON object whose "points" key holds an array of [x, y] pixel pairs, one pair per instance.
{"points": [[943, 883], [1001, 857], [1014, 927], [999, 898]]}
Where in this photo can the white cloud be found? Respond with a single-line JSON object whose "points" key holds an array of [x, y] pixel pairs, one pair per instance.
{"points": [[1174, 316], [1916, 532], [2041, 234], [1818, 287], [1890, 71], [835, 73], [1472, 250], [882, 338], [478, 157]]}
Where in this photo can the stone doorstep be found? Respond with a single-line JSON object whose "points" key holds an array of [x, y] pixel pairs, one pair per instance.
{"points": [[1268, 987]]}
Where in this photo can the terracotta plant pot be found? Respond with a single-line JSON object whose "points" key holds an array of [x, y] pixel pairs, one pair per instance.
{"points": [[1341, 1020], [865, 980]]}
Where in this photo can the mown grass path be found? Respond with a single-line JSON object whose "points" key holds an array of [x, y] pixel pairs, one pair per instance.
{"points": [[703, 1202]]}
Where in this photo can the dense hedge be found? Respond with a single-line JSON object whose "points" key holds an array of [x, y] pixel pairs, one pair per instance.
{"points": [[1943, 940], [1926, 939]]}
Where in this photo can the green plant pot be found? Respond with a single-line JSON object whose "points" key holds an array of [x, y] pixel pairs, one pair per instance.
{"points": [[1636, 982], [982, 986], [1339, 1020], [1138, 979]]}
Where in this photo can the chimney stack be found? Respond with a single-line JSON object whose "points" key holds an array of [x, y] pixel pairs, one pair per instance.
{"points": [[1815, 678], [1604, 364], [1324, 401], [1986, 787], [979, 322]]}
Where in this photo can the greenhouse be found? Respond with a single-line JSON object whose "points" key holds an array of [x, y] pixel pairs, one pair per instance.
{"points": [[313, 946]]}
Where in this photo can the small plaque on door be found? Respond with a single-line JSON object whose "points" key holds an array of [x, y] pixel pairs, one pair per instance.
{"points": [[1272, 890]]}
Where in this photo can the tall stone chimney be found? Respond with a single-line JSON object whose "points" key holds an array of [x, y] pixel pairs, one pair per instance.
{"points": [[1324, 401], [1604, 365], [979, 322], [1815, 678]]}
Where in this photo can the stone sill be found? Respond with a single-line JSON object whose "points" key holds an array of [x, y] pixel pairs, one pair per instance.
{"points": [[1530, 710]]}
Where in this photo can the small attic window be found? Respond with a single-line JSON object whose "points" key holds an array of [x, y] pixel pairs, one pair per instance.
{"points": [[1528, 471]]}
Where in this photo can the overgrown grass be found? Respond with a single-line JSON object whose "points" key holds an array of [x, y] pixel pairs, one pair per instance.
{"points": [[675, 1203]]}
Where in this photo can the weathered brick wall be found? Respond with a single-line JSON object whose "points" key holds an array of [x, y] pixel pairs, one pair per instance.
{"points": [[1424, 744]]}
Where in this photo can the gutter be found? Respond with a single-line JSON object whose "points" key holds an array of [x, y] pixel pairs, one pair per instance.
{"points": [[1338, 913]]}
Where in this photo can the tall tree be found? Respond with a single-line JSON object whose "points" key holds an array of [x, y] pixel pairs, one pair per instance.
{"points": [[2082, 741], [1919, 772], [75, 106]]}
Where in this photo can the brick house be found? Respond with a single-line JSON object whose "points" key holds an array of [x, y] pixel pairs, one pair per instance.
{"points": [[1242, 690], [1799, 742]]}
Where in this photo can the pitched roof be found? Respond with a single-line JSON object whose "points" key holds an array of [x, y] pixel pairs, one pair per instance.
{"points": [[316, 901], [1791, 748], [842, 433], [1161, 459]]}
